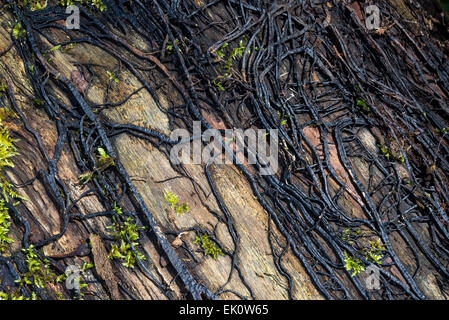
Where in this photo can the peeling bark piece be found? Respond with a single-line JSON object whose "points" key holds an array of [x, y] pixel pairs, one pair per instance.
{"points": [[178, 241]]}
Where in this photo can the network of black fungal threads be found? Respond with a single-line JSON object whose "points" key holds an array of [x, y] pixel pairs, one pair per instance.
{"points": [[297, 73]]}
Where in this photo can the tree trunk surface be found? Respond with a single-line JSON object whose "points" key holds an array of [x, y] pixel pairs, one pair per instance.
{"points": [[363, 151]]}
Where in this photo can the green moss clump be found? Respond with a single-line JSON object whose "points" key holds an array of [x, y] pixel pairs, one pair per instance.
{"points": [[104, 161], [95, 3], [7, 151], [5, 223], [15, 296], [353, 264], [173, 200], [125, 235], [39, 272], [33, 5], [209, 246], [226, 68], [372, 251]]}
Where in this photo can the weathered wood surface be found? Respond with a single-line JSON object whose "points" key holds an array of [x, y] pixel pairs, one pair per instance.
{"points": [[147, 166]]}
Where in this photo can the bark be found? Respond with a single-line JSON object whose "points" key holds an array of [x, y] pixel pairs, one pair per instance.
{"points": [[265, 256]]}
